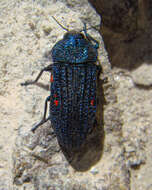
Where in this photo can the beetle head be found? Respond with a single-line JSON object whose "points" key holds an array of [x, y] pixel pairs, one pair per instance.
{"points": [[73, 34]]}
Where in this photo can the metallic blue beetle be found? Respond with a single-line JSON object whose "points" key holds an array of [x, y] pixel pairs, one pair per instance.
{"points": [[73, 88]]}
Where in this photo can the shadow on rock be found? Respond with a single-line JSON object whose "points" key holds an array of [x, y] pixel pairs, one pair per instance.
{"points": [[126, 30], [129, 52]]}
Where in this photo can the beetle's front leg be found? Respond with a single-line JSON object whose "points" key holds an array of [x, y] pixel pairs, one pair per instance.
{"points": [[44, 119], [48, 68], [90, 38]]}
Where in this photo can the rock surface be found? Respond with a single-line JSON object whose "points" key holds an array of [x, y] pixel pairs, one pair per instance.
{"points": [[117, 155]]}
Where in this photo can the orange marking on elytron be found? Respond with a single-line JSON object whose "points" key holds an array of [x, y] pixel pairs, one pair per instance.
{"points": [[92, 102], [51, 78], [56, 102]]}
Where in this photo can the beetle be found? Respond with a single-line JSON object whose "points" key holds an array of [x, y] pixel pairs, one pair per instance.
{"points": [[73, 100]]}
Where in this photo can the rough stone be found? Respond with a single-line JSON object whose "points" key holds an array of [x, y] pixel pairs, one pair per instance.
{"points": [[38, 162], [120, 147]]}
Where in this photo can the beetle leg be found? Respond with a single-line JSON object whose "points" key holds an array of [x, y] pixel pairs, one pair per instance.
{"points": [[48, 68], [90, 38], [44, 119]]}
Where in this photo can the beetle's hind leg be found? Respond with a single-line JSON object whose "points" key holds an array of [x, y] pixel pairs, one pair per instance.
{"points": [[48, 68], [44, 119]]}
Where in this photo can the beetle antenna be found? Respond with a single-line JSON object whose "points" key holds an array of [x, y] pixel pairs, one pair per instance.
{"points": [[60, 24]]}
